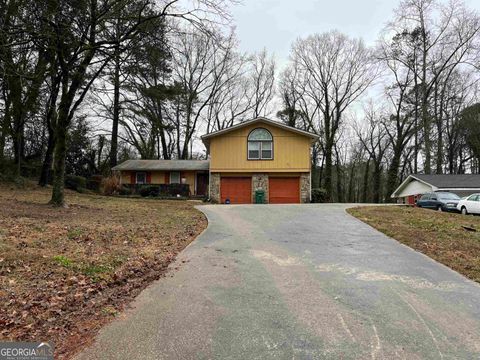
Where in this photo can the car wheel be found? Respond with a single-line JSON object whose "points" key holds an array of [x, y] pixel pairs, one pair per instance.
{"points": [[464, 210]]}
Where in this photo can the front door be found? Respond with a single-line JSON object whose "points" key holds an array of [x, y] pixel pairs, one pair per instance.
{"points": [[202, 184]]}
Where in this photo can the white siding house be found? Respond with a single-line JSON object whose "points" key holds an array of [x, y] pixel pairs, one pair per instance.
{"points": [[416, 185]]}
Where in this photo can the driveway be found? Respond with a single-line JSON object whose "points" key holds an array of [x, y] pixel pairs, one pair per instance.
{"points": [[297, 282]]}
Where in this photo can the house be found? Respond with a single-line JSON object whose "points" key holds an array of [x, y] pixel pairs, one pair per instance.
{"points": [[259, 155], [158, 172], [416, 185]]}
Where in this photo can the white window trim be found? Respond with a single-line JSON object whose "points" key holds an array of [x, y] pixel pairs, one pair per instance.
{"points": [[260, 150], [179, 177], [260, 145], [136, 177]]}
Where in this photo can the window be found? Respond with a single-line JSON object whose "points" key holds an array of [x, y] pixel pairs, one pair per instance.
{"points": [[425, 197], [448, 196], [141, 178], [473, 197], [260, 145], [174, 177]]}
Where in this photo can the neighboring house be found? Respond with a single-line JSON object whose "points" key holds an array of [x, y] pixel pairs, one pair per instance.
{"points": [[255, 155], [416, 185], [158, 172]]}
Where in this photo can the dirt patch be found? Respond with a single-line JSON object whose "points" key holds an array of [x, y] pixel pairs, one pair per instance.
{"points": [[64, 273], [441, 236]]}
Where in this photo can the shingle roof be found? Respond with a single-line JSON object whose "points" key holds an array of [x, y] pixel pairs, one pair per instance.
{"points": [[450, 181], [167, 165]]}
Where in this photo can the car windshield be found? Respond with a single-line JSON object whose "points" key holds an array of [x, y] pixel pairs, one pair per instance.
{"points": [[448, 196]]}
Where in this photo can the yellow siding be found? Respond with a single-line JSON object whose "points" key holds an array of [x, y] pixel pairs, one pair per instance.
{"points": [[158, 177], [190, 178], [125, 177], [229, 152]]}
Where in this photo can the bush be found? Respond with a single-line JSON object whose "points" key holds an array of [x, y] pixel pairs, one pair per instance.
{"points": [[319, 195], [94, 182], [110, 185], [8, 174], [174, 190], [125, 190], [74, 182], [149, 191]]}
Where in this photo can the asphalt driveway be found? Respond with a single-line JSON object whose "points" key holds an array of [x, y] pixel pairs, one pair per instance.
{"points": [[297, 282]]}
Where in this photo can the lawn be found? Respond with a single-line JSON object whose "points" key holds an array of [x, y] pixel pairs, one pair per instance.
{"points": [[66, 272], [438, 235]]}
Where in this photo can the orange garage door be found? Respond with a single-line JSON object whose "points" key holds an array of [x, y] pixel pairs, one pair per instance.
{"points": [[284, 190], [237, 189]]}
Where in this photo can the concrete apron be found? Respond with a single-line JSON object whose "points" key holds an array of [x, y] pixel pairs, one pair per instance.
{"points": [[297, 282]]}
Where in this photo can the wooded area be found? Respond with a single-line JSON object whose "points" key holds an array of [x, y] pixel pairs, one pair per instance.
{"points": [[90, 83]]}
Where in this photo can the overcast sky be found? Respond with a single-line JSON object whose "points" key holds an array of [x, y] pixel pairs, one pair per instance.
{"points": [[275, 24]]}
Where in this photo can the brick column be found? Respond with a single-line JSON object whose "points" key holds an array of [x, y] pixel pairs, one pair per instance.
{"points": [[260, 182], [214, 187], [305, 188]]}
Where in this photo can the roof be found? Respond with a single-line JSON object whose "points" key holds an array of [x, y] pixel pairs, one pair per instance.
{"points": [[206, 137], [451, 181], [443, 182], [152, 165]]}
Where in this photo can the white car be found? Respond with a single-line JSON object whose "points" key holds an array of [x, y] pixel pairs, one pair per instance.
{"points": [[469, 205]]}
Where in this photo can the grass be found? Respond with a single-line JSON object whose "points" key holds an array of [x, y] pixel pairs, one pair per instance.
{"points": [[437, 235], [65, 272]]}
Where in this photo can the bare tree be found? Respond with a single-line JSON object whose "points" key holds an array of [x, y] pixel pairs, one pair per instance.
{"points": [[442, 37], [262, 82], [335, 71], [201, 67], [373, 136]]}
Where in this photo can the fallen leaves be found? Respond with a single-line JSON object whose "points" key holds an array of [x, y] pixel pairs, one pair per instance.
{"points": [[65, 272]]}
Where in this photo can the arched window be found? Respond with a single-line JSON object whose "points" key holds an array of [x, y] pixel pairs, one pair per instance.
{"points": [[260, 145]]}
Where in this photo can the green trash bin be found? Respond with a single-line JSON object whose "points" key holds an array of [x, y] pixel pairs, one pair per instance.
{"points": [[259, 197]]}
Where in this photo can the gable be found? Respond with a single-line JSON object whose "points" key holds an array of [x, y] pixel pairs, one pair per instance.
{"points": [[258, 122], [414, 187], [291, 151]]}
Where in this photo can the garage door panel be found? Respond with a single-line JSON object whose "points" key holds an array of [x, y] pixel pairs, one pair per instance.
{"points": [[237, 189], [284, 190]]}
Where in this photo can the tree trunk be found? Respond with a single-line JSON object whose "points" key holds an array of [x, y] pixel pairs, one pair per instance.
{"points": [[440, 147], [58, 197], [415, 159], [47, 162], [18, 144], [426, 138], [116, 108], [340, 193], [3, 137], [392, 176], [377, 181], [328, 173], [166, 153], [351, 182], [365, 182]]}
